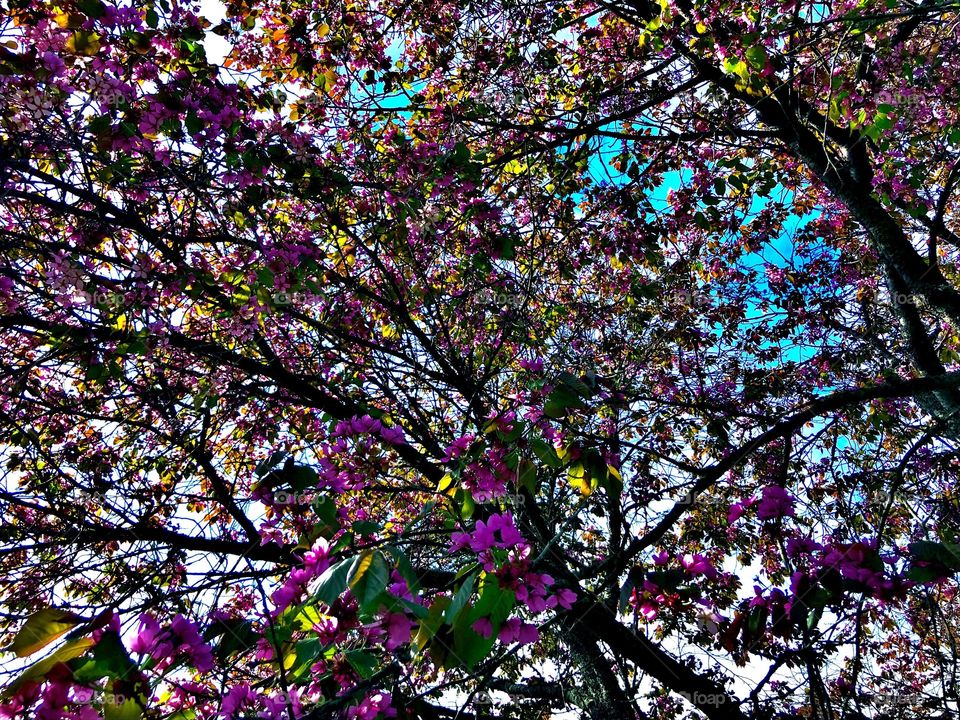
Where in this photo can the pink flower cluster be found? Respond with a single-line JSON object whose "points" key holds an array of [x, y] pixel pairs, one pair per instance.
{"points": [[315, 562], [699, 565], [648, 599], [366, 425], [457, 448], [373, 706], [167, 645], [393, 630], [774, 502], [499, 531]]}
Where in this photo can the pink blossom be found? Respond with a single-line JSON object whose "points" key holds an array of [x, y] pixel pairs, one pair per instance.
{"points": [[398, 627], [483, 627], [239, 697], [515, 630], [698, 565], [775, 502]]}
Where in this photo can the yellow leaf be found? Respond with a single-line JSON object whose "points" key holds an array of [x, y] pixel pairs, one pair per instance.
{"points": [[84, 42], [119, 705], [308, 617], [69, 20], [41, 629], [446, 485], [322, 30], [361, 567], [581, 480], [39, 669], [329, 78]]}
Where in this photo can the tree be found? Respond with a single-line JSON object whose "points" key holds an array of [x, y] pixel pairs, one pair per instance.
{"points": [[602, 356]]}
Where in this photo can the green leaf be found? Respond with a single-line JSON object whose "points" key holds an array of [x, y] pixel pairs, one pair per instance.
{"points": [[546, 453], [236, 635], [369, 576], [467, 504], [193, 123], [883, 122], [66, 652], [527, 476], [334, 581], [120, 705], [109, 660], [41, 629], [430, 624], [460, 599], [667, 579], [757, 56], [581, 479], [757, 620], [305, 654], [946, 554], [469, 646], [402, 563], [924, 574], [366, 527], [561, 400], [461, 153], [495, 602], [326, 512], [302, 477], [363, 662], [576, 384]]}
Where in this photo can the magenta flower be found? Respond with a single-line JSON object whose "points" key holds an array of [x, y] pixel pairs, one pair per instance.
{"points": [[180, 640], [238, 698], [515, 630], [566, 598], [457, 448], [698, 565], [483, 627], [775, 502], [509, 535], [398, 628], [737, 510], [373, 706]]}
